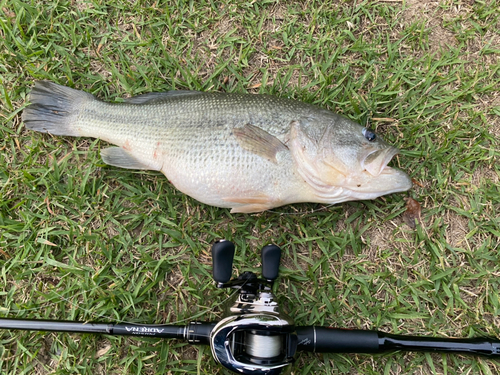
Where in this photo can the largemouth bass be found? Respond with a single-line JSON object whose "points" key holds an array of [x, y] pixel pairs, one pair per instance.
{"points": [[246, 152]]}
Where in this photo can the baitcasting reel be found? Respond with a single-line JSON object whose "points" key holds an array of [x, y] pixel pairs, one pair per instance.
{"points": [[255, 337]]}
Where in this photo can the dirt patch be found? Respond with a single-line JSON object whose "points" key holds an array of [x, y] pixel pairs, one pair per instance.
{"points": [[482, 174], [439, 18], [432, 14], [457, 229], [491, 108], [82, 5], [495, 126], [483, 49]]}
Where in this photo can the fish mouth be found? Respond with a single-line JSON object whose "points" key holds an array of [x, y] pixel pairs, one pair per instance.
{"points": [[377, 161], [380, 179]]}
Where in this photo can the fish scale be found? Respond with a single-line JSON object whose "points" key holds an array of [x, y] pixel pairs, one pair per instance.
{"points": [[245, 152]]}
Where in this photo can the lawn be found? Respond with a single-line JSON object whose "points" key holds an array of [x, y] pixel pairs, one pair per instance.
{"points": [[80, 240]]}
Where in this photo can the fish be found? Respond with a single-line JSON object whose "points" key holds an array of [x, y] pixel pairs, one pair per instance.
{"points": [[246, 152]]}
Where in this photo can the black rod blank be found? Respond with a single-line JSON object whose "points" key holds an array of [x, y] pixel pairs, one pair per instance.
{"points": [[196, 332]]}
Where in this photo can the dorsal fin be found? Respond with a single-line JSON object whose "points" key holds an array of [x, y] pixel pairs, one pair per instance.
{"points": [[151, 96]]}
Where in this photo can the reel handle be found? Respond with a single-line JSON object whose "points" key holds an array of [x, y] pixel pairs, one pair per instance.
{"points": [[271, 257], [222, 261]]}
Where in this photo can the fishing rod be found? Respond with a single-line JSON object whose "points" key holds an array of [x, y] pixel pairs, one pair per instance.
{"points": [[255, 336]]}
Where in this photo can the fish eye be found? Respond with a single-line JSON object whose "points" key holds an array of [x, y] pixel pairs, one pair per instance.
{"points": [[369, 135]]}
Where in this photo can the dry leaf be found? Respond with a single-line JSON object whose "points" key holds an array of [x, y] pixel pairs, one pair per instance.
{"points": [[46, 200], [103, 351], [45, 242], [412, 213], [257, 85], [417, 183], [386, 119]]}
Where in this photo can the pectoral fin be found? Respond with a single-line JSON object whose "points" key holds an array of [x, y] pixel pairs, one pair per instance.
{"points": [[258, 141], [118, 157]]}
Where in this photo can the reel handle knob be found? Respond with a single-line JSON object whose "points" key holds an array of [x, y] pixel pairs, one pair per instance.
{"points": [[271, 256], [222, 261]]}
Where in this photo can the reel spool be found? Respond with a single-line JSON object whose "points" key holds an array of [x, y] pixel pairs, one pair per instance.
{"points": [[263, 345], [254, 344]]}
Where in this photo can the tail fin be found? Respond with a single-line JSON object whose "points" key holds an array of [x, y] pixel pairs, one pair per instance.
{"points": [[54, 108]]}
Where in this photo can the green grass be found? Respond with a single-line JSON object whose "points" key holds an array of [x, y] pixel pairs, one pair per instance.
{"points": [[83, 241]]}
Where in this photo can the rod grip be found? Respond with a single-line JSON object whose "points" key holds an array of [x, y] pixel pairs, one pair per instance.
{"points": [[335, 340], [222, 261]]}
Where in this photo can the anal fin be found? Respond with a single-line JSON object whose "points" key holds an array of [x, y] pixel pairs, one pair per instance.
{"points": [[118, 157]]}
